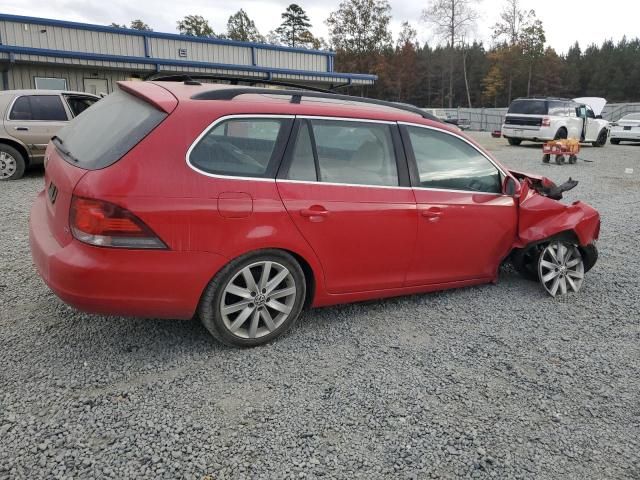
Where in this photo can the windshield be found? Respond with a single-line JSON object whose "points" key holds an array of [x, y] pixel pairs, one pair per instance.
{"points": [[529, 107], [631, 116], [103, 134]]}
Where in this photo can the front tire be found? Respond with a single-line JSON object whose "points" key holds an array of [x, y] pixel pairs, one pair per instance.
{"points": [[561, 268], [514, 141], [254, 299], [12, 163]]}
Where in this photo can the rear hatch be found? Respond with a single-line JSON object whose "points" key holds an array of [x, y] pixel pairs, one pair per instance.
{"points": [[526, 113], [96, 139]]}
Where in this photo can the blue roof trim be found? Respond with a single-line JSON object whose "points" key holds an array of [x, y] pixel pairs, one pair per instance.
{"points": [[140, 33], [179, 63]]}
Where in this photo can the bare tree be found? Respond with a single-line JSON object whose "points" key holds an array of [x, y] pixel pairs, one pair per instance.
{"points": [[512, 21], [452, 19]]}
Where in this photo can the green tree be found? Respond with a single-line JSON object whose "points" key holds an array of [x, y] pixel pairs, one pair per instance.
{"points": [[294, 29], [360, 26], [140, 25], [452, 20], [532, 41], [240, 27], [134, 25], [195, 26]]}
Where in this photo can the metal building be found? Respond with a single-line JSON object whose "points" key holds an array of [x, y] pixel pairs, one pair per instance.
{"points": [[46, 53]]}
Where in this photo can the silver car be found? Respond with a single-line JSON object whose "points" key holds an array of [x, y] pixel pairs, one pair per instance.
{"points": [[29, 118]]}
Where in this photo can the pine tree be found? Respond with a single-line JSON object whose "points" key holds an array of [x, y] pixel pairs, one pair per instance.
{"points": [[240, 27], [294, 29]]}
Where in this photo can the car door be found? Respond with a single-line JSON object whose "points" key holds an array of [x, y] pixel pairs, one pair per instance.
{"points": [[348, 193], [466, 226], [593, 126], [34, 119]]}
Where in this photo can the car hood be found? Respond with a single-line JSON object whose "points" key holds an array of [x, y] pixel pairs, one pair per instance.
{"points": [[596, 103]]}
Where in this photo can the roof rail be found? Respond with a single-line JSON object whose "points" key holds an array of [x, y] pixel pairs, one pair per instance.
{"points": [[297, 95], [192, 79]]}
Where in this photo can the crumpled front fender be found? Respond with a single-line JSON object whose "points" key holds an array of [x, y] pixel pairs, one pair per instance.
{"points": [[541, 217]]}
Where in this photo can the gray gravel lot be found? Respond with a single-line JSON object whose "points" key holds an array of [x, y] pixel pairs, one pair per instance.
{"points": [[494, 381]]}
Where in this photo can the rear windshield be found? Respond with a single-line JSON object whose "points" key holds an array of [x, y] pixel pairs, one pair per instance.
{"points": [[529, 107], [104, 133]]}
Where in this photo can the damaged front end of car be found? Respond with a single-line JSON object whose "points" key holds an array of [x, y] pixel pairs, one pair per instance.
{"points": [[556, 242]]}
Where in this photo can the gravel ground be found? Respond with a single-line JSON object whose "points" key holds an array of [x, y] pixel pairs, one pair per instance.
{"points": [[494, 381]]}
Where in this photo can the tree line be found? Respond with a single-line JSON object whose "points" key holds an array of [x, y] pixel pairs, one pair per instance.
{"points": [[456, 70]]}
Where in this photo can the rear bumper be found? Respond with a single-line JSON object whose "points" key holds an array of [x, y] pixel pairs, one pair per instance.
{"points": [[528, 133], [144, 283], [625, 134]]}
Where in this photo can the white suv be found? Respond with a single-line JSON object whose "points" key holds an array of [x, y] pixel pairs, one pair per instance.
{"points": [[542, 119]]}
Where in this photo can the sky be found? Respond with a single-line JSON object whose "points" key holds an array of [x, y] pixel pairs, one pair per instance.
{"points": [[587, 21]]}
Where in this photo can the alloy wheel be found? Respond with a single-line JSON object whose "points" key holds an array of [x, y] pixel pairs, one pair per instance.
{"points": [[258, 299], [8, 165], [561, 268]]}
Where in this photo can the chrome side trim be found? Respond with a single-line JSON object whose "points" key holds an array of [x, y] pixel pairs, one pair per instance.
{"points": [[306, 182], [346, 119]]}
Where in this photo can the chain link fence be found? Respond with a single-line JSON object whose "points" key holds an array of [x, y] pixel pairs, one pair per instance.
{"points": [[490, 119]]}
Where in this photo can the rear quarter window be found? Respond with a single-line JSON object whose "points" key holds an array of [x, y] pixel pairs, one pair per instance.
{"points": [[103, 134], [243, 147]]}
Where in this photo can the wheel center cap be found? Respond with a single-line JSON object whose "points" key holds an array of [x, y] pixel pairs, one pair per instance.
{"points": [[260, 300]]}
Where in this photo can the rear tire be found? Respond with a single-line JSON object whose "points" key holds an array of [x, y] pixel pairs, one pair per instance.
{"points": [[602, 139], [254, 299], [12, 163], [615, 141], [561, 134], [514, 141]]}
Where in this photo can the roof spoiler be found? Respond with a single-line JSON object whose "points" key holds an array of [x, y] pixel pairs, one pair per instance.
{"points": [[153, 94]]}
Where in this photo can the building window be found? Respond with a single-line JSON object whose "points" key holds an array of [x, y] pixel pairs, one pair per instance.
{"points": [[46, 83]]}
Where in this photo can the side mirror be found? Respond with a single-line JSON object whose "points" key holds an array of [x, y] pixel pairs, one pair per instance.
{"points": [[599, 117], [511, 187]]}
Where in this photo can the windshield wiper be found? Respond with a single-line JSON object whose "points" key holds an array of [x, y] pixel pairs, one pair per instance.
{"points": [[57, 141]]}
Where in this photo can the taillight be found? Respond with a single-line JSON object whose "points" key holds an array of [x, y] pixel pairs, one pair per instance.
{"points": [[546, 122], [105, 224]]}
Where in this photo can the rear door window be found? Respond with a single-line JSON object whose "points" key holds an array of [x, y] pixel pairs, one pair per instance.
{"points": [[38, 108], [346, 152], [447, 162], [244, 147], [104, 133]]}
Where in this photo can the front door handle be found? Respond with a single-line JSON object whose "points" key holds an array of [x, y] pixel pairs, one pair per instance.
{"points": [[22, 129], [315, 213], [433, 214]]}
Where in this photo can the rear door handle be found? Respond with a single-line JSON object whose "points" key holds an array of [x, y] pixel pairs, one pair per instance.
{"points": [[22, 129], [314, 211]]}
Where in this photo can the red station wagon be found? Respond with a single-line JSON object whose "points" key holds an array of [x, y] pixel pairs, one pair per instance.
{"points": [[242, 205]]}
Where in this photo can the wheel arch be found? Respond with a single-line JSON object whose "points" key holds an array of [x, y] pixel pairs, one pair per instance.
{"points": [[18, 146], [312, 270]]}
